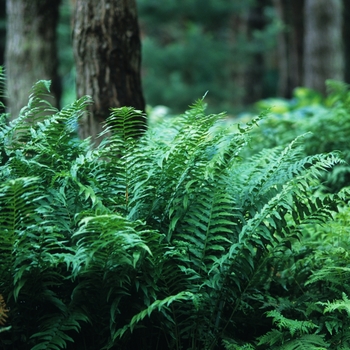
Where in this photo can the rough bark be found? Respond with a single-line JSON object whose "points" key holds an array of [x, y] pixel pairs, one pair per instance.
{"points": [[31, 52], [107, 52], [323, 46]]}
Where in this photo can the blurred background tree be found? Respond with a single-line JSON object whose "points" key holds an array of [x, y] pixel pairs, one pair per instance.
{"points": [[323, 43], [31, 51], [191, 46], [238, 51]]}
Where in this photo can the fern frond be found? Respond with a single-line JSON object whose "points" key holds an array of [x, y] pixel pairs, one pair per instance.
{"points": [[287, 328], [306, 342], [127, 159], [38, 108], [54, 328], [18, 200], [343, 304], [231, 345], [292, 326], [337, 275], [160, 305], [206, 230], [126, 123], [109, 240], [272, 338]]}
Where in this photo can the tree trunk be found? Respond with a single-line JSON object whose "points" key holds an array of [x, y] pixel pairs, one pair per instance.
{"points": [[31, 52], [107, 52], [323, 46], [290, 45], [346, 34], [254, 72]]}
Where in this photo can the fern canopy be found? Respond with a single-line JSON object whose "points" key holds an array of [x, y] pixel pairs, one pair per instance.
{"points": [[178, 239]]}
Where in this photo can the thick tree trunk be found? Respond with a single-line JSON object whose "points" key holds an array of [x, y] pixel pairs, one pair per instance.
{"points": [[31, 52], [323, 47], [107, 52]]}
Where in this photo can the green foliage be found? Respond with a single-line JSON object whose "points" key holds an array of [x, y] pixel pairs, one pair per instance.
{"points": [[175, 240], [326, 120], [292, 334], [193, 46]]}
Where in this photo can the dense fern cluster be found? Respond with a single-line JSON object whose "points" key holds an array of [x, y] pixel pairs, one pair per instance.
{"points": [[326, 121], [177, 240]]}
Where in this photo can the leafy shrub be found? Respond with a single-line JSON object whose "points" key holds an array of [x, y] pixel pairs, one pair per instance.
{"points": [[172, 241]]}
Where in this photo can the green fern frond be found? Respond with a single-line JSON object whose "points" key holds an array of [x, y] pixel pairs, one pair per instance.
{"points": [[306, 342], [292, 326], [336, 275], [339, 305], [125, 122], [287, 328], [272, 338], [109, 240], [206, 230], [54, 328], [18, 200], [128, 161], [160, 305], [37, 109], [231, 345]]}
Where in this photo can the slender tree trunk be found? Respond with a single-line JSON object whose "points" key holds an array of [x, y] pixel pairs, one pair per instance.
{"points": [[346, 34], [107, 52], [31, 52], [254, 72], [290, 45], [323, 47]]}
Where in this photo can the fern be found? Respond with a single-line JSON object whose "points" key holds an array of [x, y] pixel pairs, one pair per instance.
{"points": [[293, 326], [158, 241], [231, 345], [292, 334], [306, 342], [158, 304], [53, 335]]}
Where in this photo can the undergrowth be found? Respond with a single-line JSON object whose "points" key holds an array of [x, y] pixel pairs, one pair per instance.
{"points": [[182, 239]]}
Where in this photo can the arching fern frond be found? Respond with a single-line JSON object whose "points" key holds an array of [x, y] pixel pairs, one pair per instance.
{"points": [[125, 122], [206, 229], [108, 240], [159, 305], [127, 159], [340, 305], [305, 342], [292, 334], [53, 333]]}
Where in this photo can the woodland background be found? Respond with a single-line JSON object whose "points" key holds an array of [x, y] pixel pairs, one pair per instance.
{"points": [[240, 52]]}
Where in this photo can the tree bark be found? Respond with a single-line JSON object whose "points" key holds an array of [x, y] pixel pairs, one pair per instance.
{"points": [[107, 52], [31, 52], [323, 46]]}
